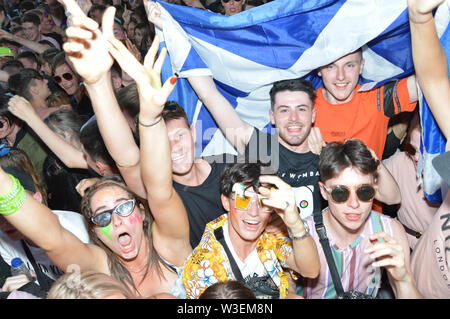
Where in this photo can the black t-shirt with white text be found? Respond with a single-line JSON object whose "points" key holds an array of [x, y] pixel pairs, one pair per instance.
{"points": [[299, 170]]}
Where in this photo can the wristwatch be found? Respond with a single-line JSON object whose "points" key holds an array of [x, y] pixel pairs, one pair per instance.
{"points": [[306, 234]]}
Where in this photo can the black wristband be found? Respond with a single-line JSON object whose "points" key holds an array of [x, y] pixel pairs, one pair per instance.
{"points": [[150, 125]]}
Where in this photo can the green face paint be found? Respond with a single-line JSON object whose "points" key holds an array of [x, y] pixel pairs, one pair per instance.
{"points": [[106, 230]]}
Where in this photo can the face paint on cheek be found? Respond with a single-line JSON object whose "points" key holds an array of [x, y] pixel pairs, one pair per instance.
{"points": [[106, 230], [233, 212], [135, 218]]}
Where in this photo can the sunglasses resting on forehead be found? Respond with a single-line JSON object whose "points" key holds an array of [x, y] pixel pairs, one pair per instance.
{"points": [[243, 198], [341, 193], [226, 1], [124, 209]]}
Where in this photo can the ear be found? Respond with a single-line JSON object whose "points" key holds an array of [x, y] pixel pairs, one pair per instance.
{"points": [[319, 72], [38, 196], [193, 133], [103, 168], [272, 117], [225, 202], [323, 191], [361, 67], [313, 114], [33, 89]]}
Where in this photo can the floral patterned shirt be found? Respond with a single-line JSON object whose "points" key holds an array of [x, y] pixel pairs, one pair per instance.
{"points": [[209, 263]]}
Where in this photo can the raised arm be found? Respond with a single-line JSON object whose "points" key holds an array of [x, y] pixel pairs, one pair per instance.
{"points": [[305, 257], [33, 45], [430, 61], [236, 130], [66, 152], [392, 253], [37, 222], [87, 49], [171, 226]]}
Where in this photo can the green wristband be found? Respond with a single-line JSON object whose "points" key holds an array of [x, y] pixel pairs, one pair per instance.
{"points": [[14, 199]]}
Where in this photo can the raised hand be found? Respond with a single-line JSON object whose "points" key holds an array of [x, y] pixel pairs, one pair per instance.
{"points": [[282, 199], [420, 10], [87, 46], [22, 109], [389, 254], [147, 77], [153, 11]]}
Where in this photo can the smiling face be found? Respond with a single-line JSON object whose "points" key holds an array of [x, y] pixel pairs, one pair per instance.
{"points": [[31, 31], [293, 114], [182, 145], [341, 77], [124, 235], [70, 86], [351, 215]]}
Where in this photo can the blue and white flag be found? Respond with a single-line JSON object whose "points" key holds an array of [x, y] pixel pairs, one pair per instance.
{"points": [[283, 39]]}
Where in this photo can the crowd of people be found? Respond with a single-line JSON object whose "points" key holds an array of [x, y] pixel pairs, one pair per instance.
{"points": [[103, 196]]}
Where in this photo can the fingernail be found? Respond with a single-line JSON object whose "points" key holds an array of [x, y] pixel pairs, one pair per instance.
{"points": [[173, 80]]}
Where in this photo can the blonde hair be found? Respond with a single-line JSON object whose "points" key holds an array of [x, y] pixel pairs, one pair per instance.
{"points": [[88, 285]]}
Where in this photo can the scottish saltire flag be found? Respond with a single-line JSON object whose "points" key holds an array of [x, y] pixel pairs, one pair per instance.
{"points": [[282, 39], [433, 141]]}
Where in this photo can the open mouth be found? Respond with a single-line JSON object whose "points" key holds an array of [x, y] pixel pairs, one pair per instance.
{"points": [[251, 224], [125, 242]]}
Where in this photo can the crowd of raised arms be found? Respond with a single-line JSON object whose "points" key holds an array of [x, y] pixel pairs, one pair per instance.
{"points": [[102, 194]]}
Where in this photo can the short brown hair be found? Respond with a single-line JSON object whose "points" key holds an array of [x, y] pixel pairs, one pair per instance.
{"points": [[172, 111], [337, 156], [293, 85]]}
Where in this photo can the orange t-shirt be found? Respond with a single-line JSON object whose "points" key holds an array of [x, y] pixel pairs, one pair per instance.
{"points": [[360, 118]]}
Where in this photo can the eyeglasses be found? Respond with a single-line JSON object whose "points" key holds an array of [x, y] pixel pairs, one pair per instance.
{"points": [[67, 76], [226, 1], [123, 209], [243, 198], [341, 193]]}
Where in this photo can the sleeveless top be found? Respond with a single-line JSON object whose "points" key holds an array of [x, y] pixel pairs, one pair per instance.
{"points": [[353, 265], [178, 287]]}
